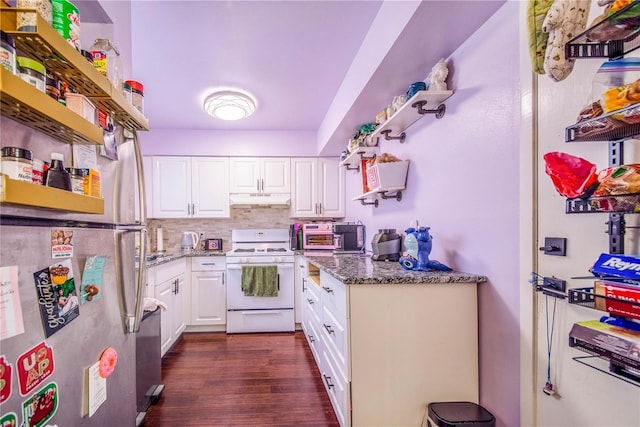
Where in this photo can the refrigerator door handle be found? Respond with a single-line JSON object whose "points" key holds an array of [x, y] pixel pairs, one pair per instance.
{"points": [[141, 190], [132, 319]]}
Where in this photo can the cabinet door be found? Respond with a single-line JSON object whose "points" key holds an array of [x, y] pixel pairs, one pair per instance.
{"points": [[208, 298], [304, 187], [171, 187], [244, 175], [331, 192], [179, 319], [165, 293], [299, 275], [276, 175], [210, 187]]}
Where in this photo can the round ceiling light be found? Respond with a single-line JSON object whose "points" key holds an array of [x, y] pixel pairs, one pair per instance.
{"points": [[230, 105]]}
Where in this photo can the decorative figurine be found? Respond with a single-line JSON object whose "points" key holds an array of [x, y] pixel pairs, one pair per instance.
{"points": [[438, 75], [418, 243]]}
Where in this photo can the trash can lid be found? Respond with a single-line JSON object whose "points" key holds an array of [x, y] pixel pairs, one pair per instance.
{"points": [[452, 414]]}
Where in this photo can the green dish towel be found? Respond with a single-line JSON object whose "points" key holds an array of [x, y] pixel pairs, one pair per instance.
{"points": [[260, 280]]}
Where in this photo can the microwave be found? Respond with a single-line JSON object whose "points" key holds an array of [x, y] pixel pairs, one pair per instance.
{"points": [[317, 236]]}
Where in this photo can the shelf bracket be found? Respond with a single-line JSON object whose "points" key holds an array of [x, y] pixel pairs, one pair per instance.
{"points": [[397, 195], [615, 230], [349, 168], [375, 203], [438, 111], [400, 137]]}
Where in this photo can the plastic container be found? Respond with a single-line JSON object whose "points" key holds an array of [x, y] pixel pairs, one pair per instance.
{"points": [[126, 89], [81, 105], [106, 59], [38, 171], [27, 21], [137, 95], [452, 414], [32, 72], [16, 163], [77, 180], [56, 176], [66, 21], [7, 52]]}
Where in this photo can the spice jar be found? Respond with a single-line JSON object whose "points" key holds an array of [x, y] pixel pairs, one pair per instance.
{"points": [[38, 171], [16, 163], [137, 95], [7, 52], [53, 88], [106, 59], [32, 72], [77, 180]]}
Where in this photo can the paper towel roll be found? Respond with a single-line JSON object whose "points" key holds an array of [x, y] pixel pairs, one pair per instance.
{"points": [[159, 247]]}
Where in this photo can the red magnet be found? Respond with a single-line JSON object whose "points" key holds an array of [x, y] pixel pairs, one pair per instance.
{"points": [[108, 361]]}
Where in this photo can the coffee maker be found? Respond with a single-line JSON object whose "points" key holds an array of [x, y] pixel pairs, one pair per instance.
{"points": [[348, 237], [386, 245]]}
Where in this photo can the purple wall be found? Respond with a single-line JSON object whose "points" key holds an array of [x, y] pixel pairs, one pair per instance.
{"points": [[464, 183]]}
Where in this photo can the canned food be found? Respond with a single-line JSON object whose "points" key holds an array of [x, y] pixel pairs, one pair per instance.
{"points": [[16, 163], [7, 52], [32, 72]]}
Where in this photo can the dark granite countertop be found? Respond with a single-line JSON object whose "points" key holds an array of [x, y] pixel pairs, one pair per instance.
{"points": [[359, 269], [168, 257]]}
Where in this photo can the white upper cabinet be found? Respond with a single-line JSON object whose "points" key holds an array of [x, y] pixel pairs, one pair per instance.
{"points": [[260, 175], [317, 189], [190, 187]]}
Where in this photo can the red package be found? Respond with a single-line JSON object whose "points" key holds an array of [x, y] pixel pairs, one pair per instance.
{"points": [[572, 176]]}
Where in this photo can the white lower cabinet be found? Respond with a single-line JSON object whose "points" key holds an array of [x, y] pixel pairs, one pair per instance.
{"points": [[385, 351], [208, 291], [170, 288]]}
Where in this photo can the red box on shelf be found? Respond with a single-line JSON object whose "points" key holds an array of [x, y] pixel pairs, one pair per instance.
{"points": [[620, 298]]}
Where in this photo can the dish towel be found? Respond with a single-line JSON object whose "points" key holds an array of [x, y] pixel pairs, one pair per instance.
{"points": [[260, 280]]}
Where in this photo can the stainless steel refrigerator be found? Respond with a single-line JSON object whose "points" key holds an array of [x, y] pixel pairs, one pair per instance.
{"points": [[55, 371]]}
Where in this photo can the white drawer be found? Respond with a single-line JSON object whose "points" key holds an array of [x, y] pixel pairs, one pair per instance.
{"points": [[208, 263], [169, 270], [314, 337], [311, 299], [334, 294], [334, 335], [337, 388]]}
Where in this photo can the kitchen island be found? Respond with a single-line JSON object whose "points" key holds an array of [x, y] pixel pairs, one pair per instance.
{"points": [[388, 341]]}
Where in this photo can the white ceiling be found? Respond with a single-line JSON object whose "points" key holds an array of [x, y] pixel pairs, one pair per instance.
{"points": [[291, 55]]}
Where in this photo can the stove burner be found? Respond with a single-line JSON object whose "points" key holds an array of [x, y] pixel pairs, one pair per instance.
{"points": [[245, 250], [276, 250]]}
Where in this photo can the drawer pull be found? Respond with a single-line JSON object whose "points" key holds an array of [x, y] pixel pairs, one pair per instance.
{"points": [[328, 381], [311, 338], [327, 289], [310, 301], [328, 328]]}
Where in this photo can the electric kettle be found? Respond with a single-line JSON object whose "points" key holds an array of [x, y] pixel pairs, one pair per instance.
{"points": [[190, 241]]}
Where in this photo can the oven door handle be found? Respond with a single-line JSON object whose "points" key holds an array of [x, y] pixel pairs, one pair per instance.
{"points": [[239, 266]]}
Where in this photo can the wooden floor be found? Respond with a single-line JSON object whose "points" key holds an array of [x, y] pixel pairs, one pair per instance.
{"points": [[215, 379]]}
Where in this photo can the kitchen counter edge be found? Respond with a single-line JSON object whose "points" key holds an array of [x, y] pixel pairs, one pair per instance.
{"points": [[361, 270]]}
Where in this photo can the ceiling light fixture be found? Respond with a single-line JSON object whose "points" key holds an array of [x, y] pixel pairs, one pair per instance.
{"points": [[230, 105]]}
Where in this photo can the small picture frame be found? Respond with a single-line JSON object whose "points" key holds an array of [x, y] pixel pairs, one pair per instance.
{"points": [[213, 244]]}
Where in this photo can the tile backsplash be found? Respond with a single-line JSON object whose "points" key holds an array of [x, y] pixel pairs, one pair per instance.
{"points": [[255, 217]]}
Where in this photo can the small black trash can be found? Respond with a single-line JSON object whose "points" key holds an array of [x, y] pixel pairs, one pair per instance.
{"points": [[456, 414]]}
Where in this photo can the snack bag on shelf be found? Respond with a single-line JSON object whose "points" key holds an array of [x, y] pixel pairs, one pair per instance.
{"points": [[618, 180], [571, 175]]}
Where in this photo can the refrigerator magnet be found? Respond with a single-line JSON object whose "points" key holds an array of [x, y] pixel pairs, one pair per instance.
{"points": [[57, 297], [5, 380], [61, 243], [91, 289], [34, 367], [40, 407], [108, 361], [9, 419], [11, 321]]}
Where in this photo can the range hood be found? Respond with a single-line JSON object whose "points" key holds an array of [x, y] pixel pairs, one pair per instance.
{"points": [[261, 199]]}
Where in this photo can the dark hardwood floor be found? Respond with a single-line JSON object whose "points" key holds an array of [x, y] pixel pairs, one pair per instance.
{"points": [[215, 379]]}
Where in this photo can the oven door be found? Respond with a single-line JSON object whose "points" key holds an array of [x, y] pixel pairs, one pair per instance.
{"points": [[236, 300]]}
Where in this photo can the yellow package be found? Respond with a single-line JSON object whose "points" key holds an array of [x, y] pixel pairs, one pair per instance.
{"points": [[92, 183]]}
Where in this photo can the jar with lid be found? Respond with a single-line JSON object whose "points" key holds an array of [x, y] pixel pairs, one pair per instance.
{"points": [[137, 95], [77, 180], [32, 72], [106, 59], [7, 52], [53, 88], [57, 176], [16, 163]]}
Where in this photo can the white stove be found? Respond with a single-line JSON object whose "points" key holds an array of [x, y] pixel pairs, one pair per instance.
{"points": [[247, 312]]}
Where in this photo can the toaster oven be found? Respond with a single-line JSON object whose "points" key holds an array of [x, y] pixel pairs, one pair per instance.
{"points": [[317, 236]]}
